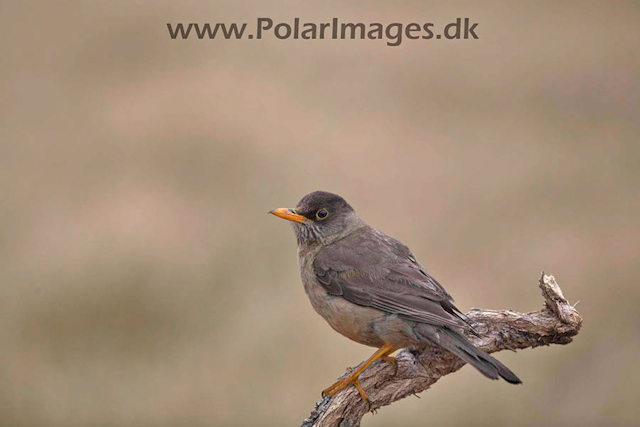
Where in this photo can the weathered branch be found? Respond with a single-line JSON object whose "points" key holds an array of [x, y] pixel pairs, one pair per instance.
{"points": [[417, 369]]}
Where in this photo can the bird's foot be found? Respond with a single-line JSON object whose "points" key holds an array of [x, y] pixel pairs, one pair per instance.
{"points": [[352, 378], [390, 359], [341, 384], [393, 361]]}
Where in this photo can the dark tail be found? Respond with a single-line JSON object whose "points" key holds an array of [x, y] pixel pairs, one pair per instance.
{"points": [[457, 344]]}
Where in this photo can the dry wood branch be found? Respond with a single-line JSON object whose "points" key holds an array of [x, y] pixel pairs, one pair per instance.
{"points": [[417, 370]]}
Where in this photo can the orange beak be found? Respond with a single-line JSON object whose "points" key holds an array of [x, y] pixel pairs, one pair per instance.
{"points": [[288, 214]]}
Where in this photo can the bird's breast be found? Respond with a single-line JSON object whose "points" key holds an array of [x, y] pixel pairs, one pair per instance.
{"points": [[353, 321]]}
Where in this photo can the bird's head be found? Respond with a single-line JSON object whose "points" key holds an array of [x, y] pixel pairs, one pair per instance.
{"points": [[320, 217]]}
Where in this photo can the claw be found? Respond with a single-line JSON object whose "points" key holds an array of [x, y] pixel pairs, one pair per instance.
{"points": [[393, 361], [381, 353]]}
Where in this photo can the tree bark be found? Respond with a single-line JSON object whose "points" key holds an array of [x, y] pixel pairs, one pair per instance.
{"points": [[418, 369]]}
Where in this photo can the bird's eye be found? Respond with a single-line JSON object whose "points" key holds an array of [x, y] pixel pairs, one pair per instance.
{"points": [[322, 214]]}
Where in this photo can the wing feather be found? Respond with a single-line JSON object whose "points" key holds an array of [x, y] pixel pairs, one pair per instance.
{"points": [[373, 270]]}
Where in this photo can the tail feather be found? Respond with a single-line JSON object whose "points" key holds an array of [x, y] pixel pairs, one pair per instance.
{"points": [[457, 344]]}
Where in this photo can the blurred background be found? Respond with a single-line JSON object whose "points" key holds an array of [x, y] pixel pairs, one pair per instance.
{"points": [[142, 282]]}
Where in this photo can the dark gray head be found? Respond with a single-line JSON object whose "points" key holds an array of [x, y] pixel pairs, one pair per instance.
{"points": [[320, 217]]}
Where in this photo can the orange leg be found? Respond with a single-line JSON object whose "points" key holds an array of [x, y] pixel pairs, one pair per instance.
{"points": [[390, 359], [381, 353]]}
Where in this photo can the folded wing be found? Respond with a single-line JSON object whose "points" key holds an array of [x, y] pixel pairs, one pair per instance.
{"points": [[373, 270]]}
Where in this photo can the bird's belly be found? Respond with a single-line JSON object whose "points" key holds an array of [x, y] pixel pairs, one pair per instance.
{"points": [[364, 325], [351, 320]]}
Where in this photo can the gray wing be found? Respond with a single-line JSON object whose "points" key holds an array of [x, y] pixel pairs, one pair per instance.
{"points": [[371, 269]]}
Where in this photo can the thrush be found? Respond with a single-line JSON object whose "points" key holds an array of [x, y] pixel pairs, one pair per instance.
{"points": [[370, 288]]}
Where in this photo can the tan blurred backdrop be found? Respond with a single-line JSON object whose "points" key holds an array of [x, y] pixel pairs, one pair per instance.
{"points": [[143, 284]]}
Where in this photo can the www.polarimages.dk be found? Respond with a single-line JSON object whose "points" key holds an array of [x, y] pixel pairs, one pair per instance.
{"points": [[393, 33]]}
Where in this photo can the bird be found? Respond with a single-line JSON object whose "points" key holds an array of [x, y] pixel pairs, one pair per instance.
{"points": [[370, 288]]}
